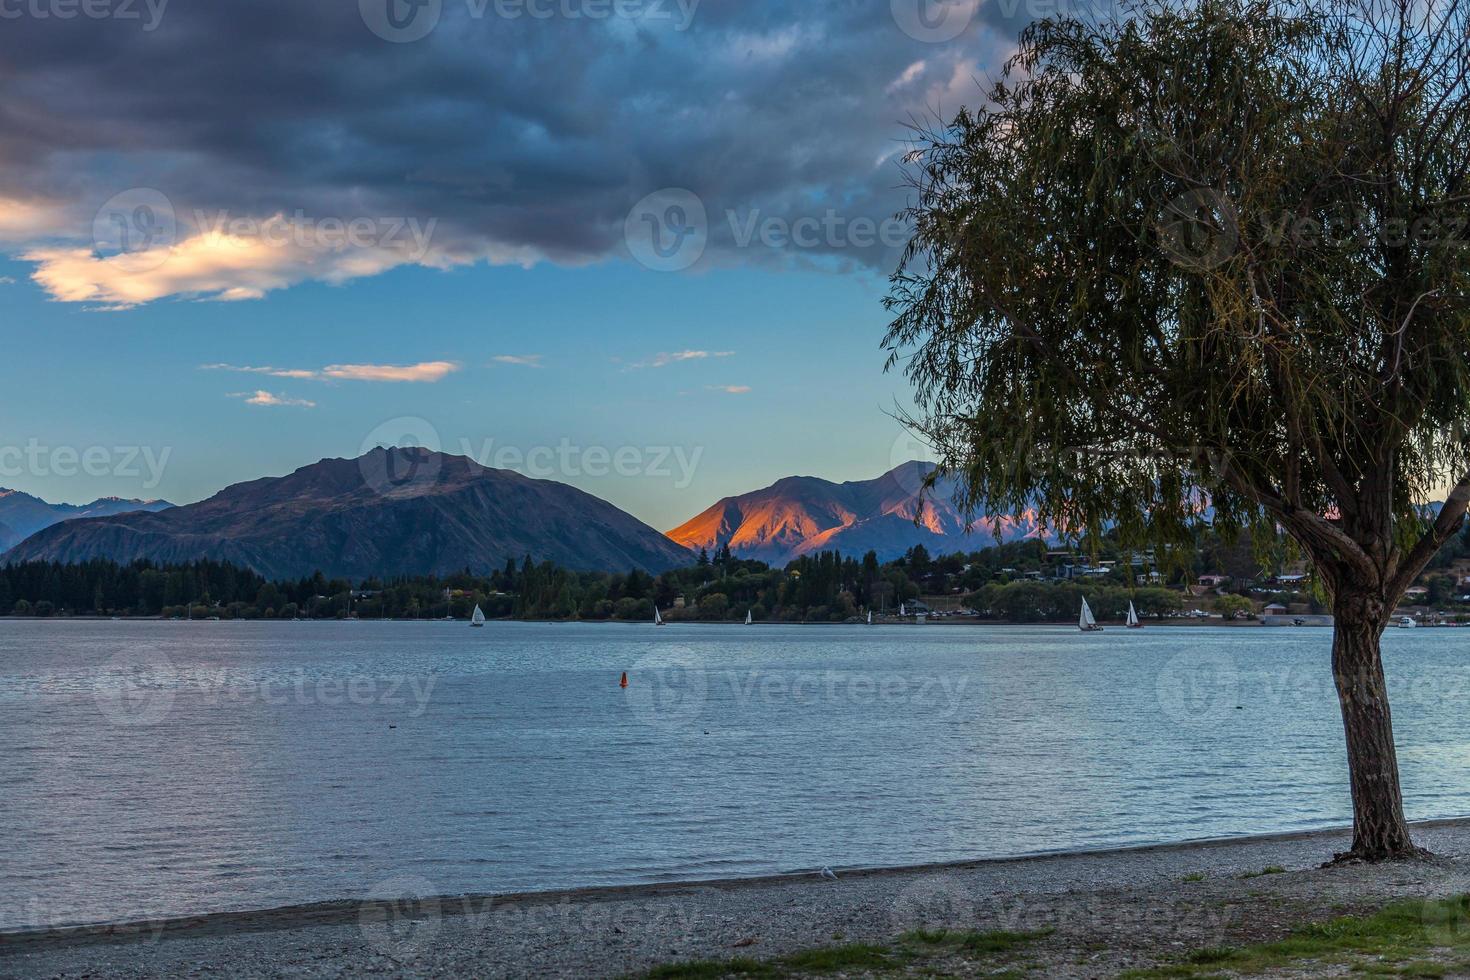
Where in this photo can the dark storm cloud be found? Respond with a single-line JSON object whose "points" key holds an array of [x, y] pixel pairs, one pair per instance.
{"points": [[523, 138]]}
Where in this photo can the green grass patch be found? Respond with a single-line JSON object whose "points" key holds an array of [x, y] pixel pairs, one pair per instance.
{"points": [[996, 941], [826, 959], [1270, 869], [1390, 942], [913, 946], [1196, 876]]}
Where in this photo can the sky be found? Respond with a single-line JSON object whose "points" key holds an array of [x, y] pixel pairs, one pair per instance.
{"points": [[638, 246]]}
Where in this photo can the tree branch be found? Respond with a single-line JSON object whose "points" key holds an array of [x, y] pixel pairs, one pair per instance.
{"points": [[1450, 519]]}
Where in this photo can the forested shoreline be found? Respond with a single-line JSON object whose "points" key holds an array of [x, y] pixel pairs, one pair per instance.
{"points": [[1011, 582]]}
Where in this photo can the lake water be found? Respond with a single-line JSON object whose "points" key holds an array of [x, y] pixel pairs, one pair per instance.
{"points": [[151, 768]]}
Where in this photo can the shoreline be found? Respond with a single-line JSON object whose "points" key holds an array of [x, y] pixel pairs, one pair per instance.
{"points": [[1181, 622], [1138, 864]]}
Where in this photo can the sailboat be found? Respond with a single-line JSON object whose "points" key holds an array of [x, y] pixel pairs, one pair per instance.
{"points": [[902, 610], [870, 617], [657, 619], [1133, 622], [1085, 622], [747, 617], [477, 618]]}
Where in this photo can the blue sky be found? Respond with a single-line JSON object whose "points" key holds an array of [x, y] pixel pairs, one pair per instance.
{"points": [[804, 344], [242, 236]]}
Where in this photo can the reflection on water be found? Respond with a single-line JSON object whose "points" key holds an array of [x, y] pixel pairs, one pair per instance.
{"points": [[160, 768]]}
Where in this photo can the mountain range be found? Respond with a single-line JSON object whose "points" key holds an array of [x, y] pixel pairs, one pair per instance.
{"points": [[803, 514], [390, 512], [415, 512], [22, 515]]}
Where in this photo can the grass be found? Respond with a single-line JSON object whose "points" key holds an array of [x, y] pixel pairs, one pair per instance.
{"points": [[918, 945], [990, 943], [1390, 942], [1405, 939], [1270, 869]]}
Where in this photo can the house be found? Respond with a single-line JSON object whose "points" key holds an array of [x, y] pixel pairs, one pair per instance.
{"points": [[1274, 609], [1214, 581]]}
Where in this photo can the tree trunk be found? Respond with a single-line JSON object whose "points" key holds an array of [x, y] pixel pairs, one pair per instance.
{"points": [[1380, 831]]}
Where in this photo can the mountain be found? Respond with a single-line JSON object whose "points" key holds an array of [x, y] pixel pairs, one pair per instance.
{"points": [[802, 514], [390, 512], [22, 515]]}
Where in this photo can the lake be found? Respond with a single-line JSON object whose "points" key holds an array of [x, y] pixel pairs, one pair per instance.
{"points": [[162, 768]]}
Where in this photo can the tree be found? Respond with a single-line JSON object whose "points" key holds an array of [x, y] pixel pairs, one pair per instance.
{"points": [[1231, 606], [1214, 252]]}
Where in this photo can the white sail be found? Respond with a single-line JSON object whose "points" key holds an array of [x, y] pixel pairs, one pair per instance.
{"points": [[477, 618], [747, 617], [1132, 614], [902, 609], [870, 617], [657, 619], [1085, 620]]}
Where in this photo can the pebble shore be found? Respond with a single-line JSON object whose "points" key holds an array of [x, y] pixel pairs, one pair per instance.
{"points": [[1106, 911]]}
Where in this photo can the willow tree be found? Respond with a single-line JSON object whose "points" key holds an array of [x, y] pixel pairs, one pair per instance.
{"points": [[1208, 262]]}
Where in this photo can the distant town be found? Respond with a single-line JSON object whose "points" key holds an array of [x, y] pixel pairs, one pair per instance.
{"points": [[1018, 582]]}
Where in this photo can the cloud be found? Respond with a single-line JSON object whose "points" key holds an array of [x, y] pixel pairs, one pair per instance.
{"points": [[426, 371], [262, 397], [729, 389], [524, 360], [664, 359], [273, 372], [760, 107], [209, 266]]}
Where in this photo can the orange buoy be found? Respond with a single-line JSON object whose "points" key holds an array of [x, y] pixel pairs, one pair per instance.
{"points": [[624, 681]]}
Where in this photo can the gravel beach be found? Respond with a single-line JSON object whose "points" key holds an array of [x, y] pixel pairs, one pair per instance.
{"points": [[1095, 914]]}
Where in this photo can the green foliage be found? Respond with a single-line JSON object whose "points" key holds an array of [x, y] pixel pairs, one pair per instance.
{"points": [[1390, 941], [1051, 602], [1231, 605], [1120, 301]]}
